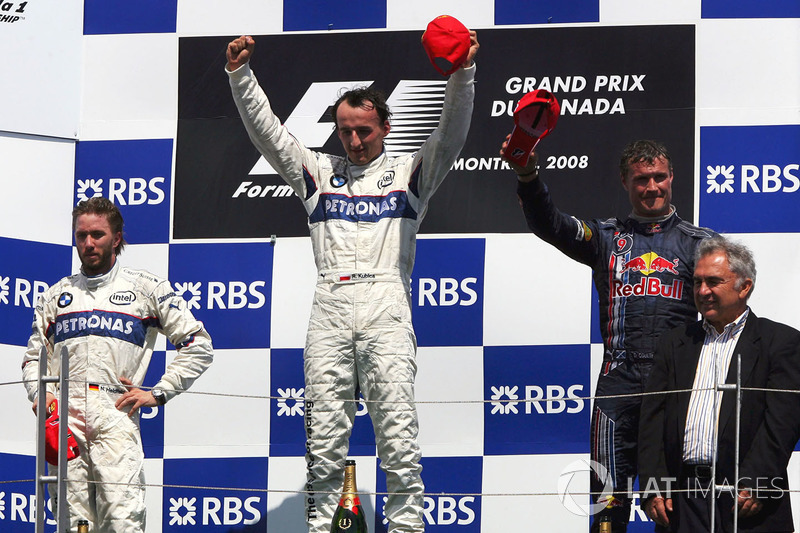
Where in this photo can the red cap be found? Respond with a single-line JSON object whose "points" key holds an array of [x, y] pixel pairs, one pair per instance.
{"points": [[447, 43], [535, 116], [51, 439]]}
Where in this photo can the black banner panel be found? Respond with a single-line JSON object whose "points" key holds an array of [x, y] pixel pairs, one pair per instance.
{"points": [[614, 84]]}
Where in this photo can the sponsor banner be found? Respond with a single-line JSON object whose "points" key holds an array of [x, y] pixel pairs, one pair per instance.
{"points": [[287, 422], [43, 96], [516, 12], [724, 9], [228, 288], [151, 419], [300, 15], [121, 16], [136, 176], [537, 403], [213, 504], [750, 178], [447, 292], [18, 500], [640, 84], [286, 414], [450, 483], [27, 269], [13, 13]]}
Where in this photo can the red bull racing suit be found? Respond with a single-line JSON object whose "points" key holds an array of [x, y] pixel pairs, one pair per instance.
{"points": [[363, 222], [642, 271], [109, 324]]}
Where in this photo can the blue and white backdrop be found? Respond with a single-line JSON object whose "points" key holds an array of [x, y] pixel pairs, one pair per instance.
{"points": [[129, 99]]}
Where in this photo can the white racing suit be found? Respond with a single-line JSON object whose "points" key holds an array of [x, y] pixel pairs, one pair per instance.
{"points": [[363, 222], [109, 324]]}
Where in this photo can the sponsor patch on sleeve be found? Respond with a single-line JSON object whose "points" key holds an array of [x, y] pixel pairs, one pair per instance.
{"points": [[584, 232]]}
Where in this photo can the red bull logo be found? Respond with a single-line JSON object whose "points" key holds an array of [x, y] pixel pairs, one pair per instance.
{"points": [[637, 264], [649, 286], [649, 263], [659, 264]]}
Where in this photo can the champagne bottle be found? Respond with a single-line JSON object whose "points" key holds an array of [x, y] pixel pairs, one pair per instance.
{"points": [[349, 516], [605, 524], [83, 526]]}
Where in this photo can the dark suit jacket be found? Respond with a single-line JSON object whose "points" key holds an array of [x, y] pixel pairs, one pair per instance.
{"points": [[770, 421]]}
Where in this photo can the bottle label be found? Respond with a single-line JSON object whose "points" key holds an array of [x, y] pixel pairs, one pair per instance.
{"points": [[349, 521], [350, 502]]}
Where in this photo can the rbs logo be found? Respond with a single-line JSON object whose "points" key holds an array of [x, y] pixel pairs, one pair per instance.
{"points": [[753, 178], [236, 295], [553, 402], [227, 511], [769, 177], [447, 292], [136, 191], [22, 508], [221, 295], [131, 191], [25, 292], [446, 510]]}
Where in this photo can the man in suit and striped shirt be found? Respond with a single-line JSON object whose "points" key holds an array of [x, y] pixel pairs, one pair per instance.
{"points": [[684, 433]]}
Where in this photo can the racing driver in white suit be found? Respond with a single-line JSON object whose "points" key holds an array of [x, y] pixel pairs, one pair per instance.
{"points": [[364, 211], [108, 317]]}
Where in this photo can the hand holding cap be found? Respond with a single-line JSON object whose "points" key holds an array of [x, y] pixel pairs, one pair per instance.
{"points": [[447, 44], [534, 118], [51, 438]]}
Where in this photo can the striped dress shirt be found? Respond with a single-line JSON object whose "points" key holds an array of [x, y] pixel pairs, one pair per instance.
{"points": [[712, 368]]}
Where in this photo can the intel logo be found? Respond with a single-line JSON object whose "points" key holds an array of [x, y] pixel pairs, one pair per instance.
{"points": [[122, 298]]}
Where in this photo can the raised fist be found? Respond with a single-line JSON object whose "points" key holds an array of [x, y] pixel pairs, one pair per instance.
{"points": [[239, 52]]}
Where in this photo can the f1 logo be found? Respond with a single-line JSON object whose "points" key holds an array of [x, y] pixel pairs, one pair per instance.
{"points": [[304, 120], [305, 125]]}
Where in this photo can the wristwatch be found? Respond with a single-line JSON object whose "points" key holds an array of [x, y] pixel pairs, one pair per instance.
{"points": [[159, 395]]}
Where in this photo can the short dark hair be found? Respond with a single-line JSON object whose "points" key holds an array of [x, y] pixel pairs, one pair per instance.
{"points": [[740, 258], [366, 98], [100, 205], [643, 151]]}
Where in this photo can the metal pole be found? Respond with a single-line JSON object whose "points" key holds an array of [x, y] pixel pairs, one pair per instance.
{"points": [[63, 429], [41, 417], [730, 488], [738, 440], [61, 513], [714, 446]]}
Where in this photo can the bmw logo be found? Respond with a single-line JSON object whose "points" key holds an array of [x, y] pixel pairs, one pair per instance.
{"points": [[338, 181], [64, 299]]}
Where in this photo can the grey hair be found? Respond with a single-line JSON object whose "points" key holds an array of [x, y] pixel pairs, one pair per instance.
{"points": [[740, 258]]}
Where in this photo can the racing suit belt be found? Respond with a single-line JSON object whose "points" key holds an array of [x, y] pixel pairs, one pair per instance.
{"points": [[359, 276]]}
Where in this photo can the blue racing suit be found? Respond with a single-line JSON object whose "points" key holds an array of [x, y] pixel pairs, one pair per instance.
{"points": [[642, 270]]}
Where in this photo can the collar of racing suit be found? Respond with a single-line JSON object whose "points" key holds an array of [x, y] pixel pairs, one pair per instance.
{"points": [[359, 171], [93, 282], [648, 220]]}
